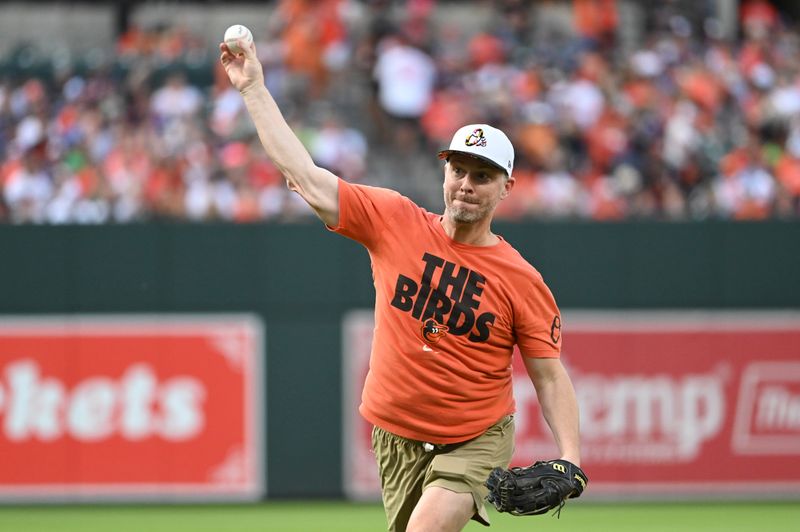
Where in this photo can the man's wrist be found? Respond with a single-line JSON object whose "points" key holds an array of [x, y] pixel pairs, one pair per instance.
{"points": [[574, 460], [251, 89]]}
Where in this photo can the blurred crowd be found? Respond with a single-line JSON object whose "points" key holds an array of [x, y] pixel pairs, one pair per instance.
{"points": [[672, 119]]}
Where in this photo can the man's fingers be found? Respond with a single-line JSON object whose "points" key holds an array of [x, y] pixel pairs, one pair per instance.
{"points": [[225, 49], [249, 50], [225, 53]]}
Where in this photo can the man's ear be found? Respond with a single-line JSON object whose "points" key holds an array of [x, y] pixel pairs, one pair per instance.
{"points": [[509, 184]]}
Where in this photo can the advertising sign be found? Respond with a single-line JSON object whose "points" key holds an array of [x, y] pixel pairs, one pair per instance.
{"points": [[670, 403], [132, 407]]}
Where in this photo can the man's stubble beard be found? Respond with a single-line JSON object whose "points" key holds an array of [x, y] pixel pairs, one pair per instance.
{"points": [[466, 216]]}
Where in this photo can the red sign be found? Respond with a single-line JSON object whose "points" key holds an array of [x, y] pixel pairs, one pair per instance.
{"points": [[145, 407], [669, 402]]}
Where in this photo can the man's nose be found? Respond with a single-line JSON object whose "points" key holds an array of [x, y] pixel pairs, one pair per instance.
{"points": [[468, 182]]}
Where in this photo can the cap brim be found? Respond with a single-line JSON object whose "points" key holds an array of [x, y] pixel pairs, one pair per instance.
{"points": [[444, 154]]}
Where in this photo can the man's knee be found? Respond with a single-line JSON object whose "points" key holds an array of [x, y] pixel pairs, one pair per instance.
{"points": [[441, 510]]}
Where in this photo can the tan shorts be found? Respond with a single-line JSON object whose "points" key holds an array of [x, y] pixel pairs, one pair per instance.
{"points": [[407, 468]]}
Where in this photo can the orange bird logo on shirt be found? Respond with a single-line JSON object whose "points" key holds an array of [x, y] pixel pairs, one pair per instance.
{"points": [[433, 331]]}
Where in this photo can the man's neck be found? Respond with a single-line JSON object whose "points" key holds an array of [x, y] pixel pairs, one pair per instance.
{"points": [[474, 234]]}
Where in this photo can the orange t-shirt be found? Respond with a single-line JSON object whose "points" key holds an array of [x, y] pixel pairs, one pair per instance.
{"points": [[447, 316]]}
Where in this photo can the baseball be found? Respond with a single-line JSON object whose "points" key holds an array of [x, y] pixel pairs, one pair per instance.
{"points": [[237, 31]]}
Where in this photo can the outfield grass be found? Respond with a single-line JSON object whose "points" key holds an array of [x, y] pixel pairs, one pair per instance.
{"points": [[344, 517]]}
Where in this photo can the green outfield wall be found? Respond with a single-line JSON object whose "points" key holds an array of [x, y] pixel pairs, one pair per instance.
{"points": [[301, 278]]}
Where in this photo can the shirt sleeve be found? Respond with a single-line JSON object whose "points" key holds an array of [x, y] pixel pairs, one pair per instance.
{"points": [[538, 330], [365, 212]]}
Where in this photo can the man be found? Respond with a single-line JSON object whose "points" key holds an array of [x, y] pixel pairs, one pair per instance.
{"points": [[452, 300]]}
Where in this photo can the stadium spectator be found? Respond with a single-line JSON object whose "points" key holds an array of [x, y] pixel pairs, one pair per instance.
{"points": [[405, 76]]}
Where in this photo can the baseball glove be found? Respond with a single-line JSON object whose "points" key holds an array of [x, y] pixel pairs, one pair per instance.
{"points": [[537, 489]]}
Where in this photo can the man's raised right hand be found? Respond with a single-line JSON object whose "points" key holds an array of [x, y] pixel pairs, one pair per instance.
{"points": [[244, 69]]}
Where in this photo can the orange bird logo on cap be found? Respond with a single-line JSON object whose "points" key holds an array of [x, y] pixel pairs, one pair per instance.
{"points": [[476, 138]]}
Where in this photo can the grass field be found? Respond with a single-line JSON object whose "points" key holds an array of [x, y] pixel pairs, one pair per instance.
{"points": [[346, 517]]}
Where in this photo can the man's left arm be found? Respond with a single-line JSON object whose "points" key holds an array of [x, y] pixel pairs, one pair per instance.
{"points": [[559, 404]]}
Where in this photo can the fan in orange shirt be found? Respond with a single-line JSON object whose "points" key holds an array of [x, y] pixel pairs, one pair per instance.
{"points": [[452, 301]]}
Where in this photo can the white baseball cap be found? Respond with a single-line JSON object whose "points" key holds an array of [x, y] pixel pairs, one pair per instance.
{"points": [[484, 142]]}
